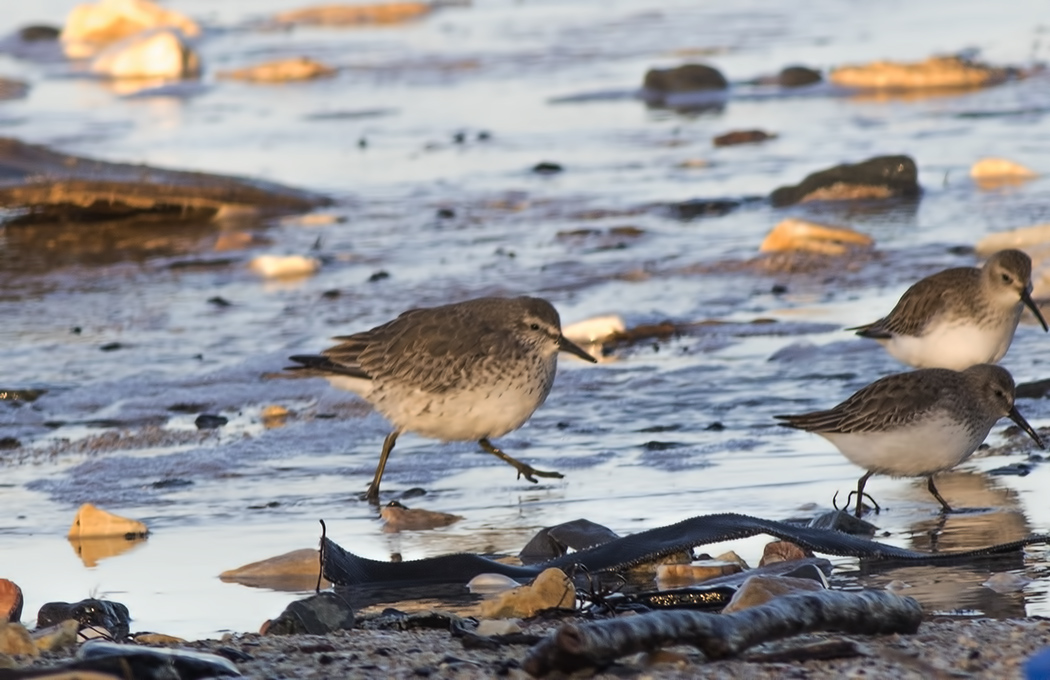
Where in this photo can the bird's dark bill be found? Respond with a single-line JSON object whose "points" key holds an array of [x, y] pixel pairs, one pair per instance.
{"points": [[1023, 424], [566, 345], [1026, 298]]}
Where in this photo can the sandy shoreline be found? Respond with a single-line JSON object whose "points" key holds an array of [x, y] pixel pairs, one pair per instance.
{"points": [[943, 648]]}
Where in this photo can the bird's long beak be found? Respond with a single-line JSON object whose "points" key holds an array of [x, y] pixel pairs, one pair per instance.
{"points": [[1015, 416], [566, 345], [1026, 298]]}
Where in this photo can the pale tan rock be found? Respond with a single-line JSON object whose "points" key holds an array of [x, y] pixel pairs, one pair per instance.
{"points": [[314, 219], [782, 551], [274, 416], [675, 575], [158, 639], [90, 27], [10, 600], [1022, 238], [798, 234], [759, 589], [7, 662], [287, 266], [16, 641], [397, 517], [295, 570], [93, 522], [933, 73], [55, 638], [595, 330], [731, 556], [498, 627], [665, 657], [347, 14], [281, 71], [160, 53], [1000, 167], [1007, 582], [552, 588]]}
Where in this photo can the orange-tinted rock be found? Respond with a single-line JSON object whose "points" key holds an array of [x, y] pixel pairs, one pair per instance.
{"points": [[10, 601], [742, 137], [794, 234], [397, 517], [552, 588], [933, 73], [782, 551], [281, 70], [349, 15], [758, 590]]}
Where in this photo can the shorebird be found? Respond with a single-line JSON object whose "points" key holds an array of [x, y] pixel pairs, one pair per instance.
{"points": [[917, 424], [469, 371], [959, 317]]}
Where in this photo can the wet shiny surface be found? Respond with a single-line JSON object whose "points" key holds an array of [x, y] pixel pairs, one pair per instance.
{"points": [[633, 435]]}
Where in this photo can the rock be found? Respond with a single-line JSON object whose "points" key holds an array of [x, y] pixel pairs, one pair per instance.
{"points": [[551, 589], [879, 177], [992, 173], [13, 89], [677, 575], [54, 187], [840, 520], [160, 53], [9, 443], [798, 76], [90, 28], [274, 416], [782, 551], [93, 522], [796, 234], [348, 15], [731, 556], [933, 73], [291, 571], [111, 616], [1007, 582], [595, 330], [1022, 238], [702, 207], [397, 517], [547, 168], [7, 662], [133, 661], [758, 590], [316, 615], [10, 601], [742, 137], [39, 33], [15, 640], [210, 421], [288, 266], [684, 78], [555, 541], [665, 656], [487, 584], [157, 639], [62, 635], [897, 585], [498, 627], [281, 71]]}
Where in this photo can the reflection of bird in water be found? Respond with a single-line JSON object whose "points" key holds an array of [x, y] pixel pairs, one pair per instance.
{"points": [[917, 424], [959, 317], [461, 372]]}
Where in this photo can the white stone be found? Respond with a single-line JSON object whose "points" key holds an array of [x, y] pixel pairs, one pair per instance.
{"points": [[90, 27], [160, 53], [277, 266], [491, 583], [498, 627], [594, 330]]}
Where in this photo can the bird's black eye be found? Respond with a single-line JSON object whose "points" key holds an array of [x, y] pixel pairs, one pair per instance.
{"points": [[1007, 279], [534, 326]]}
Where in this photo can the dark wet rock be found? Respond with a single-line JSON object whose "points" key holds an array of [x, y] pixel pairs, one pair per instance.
{"points": [[446, 213], [51, 186], [1037, 389], [208, 421], [839, 520], [551, 542], [174, 483], [111, 347], [111, 616], [316, 615], [150, 663], [1012, 470], [547, 168], [8, 443], [879, 177], [37, 32], [379, 276], [12, 89], [715, 427], [703, 207], [742, 137], [798, 76], [10, 601], [331, 294], [219, 301], [21, 395], [684, 78]]}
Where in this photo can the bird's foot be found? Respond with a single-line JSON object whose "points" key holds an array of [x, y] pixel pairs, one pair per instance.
{"points": [[860, 507], [530, 473]]}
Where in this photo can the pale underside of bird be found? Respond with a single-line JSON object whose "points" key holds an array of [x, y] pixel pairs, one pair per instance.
{"points": [[917, 424], [468, 371], [959, 317]]}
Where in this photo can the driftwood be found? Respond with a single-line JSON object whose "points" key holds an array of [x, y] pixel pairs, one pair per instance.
{"points": [[593, 645]]}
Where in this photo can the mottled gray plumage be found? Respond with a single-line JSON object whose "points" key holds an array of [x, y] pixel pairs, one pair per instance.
{"points": [[917, 423], [959, 317], [466, 371]]}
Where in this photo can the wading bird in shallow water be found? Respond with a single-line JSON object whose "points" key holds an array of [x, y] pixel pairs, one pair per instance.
{"points": [[959, 317], [919, 423], [469, 371]]}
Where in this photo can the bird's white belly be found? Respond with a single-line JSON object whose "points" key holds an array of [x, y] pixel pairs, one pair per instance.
{"points": [[463, 415], [921, 449], [953, 345]]}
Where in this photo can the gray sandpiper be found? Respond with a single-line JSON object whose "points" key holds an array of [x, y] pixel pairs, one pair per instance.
{"points": [[918, 423], [469, 371], [959, 317]]}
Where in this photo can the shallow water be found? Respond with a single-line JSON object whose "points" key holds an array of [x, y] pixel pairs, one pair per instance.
{"points": [[500, 68]]}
